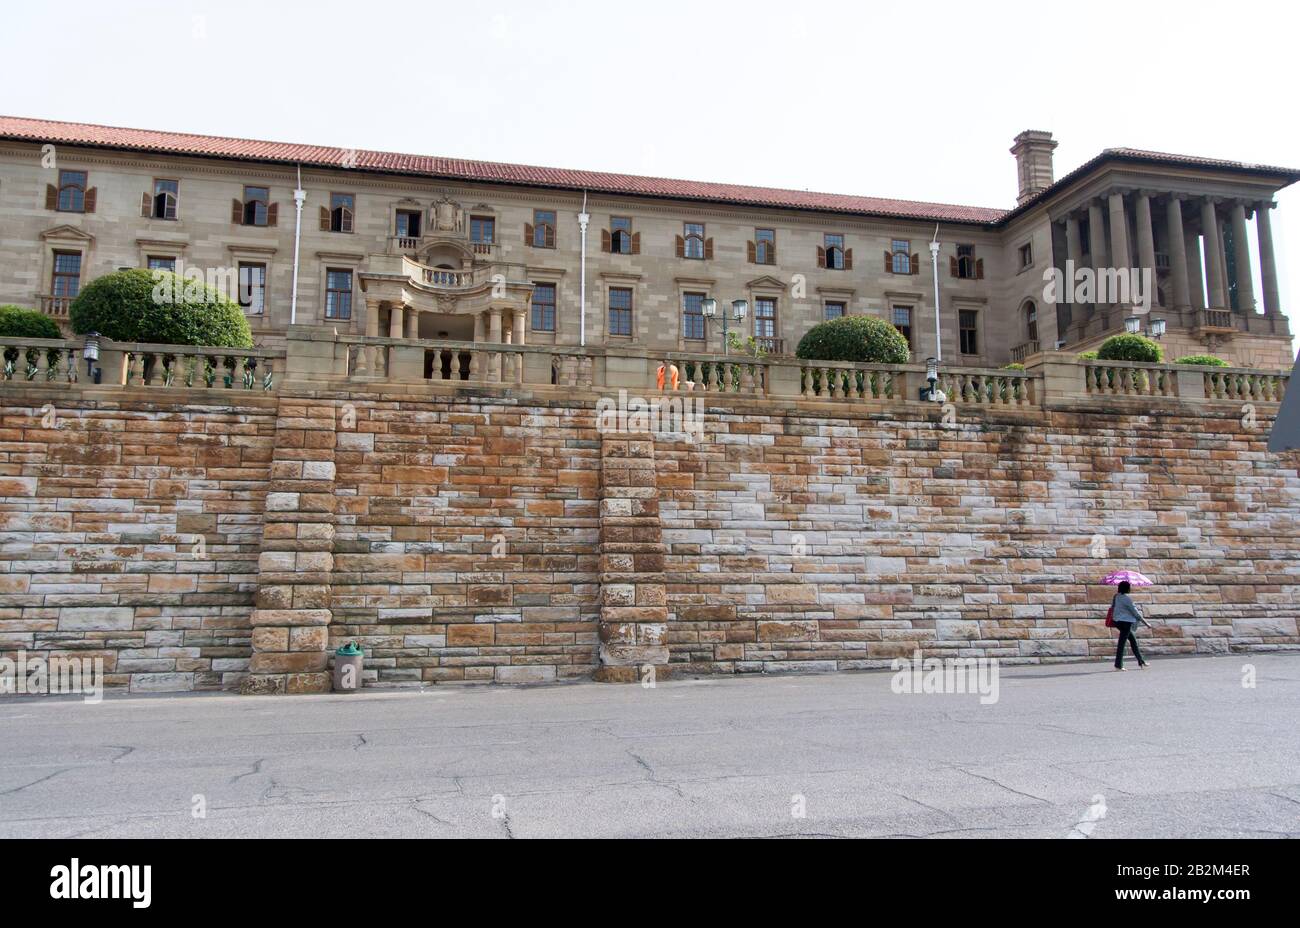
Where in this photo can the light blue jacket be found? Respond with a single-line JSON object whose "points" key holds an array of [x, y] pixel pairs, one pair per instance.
{"points": [[1126, 610]]}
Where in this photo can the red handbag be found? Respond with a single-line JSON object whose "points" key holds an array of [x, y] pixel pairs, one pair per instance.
{"points": [[1110, 618]]}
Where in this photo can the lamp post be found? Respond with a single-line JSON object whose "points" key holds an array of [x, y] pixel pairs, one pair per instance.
{"points": [[933, 394], [90, 351], [1133, 325], [739, 310], [709, 309]]}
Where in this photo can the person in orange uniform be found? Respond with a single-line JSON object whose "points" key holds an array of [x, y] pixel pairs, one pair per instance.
{"points": [[674, 373]]}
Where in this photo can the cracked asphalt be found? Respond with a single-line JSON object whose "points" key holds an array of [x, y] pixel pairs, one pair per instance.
{"points": [[1180, 750]]}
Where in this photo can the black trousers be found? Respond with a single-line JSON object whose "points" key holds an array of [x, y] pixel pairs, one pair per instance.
{"points": [[1126, 630]]}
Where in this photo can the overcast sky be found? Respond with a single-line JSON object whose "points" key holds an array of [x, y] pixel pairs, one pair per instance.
{"points": [[913, 100]]}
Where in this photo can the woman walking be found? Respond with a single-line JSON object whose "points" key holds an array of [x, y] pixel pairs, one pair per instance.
{"points": [[1126, 616]]}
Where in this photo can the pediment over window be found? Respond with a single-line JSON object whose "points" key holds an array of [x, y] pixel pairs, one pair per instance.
{"points": [[67, 234], [766, 282]]}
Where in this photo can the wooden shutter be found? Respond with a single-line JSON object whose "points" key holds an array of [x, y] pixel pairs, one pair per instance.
{"points": [[979, 269], [549, 236], [681, 247], [752, 250], [848, 259], [708, 249], [771, 253], [529, 232], [606, 241], [146, 206], [273, 214], [346, 224], [821, 256], [237, 212], [889, 262], [324, 219], [636, 243], [954, 268], [91, 196], [51, 196], [916, 265]]}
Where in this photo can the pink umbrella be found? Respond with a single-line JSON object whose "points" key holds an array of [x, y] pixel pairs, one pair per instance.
{"points": [[1127, 576]]}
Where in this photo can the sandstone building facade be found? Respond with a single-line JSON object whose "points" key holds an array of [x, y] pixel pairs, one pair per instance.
{"points": [[427, 248]]}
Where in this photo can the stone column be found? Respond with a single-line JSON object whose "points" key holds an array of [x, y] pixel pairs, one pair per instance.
{"points": [[517, 339], [494, 338], [368, 358], [395, 321], [1073, 255], [1119, 251], [292, 615], [412, 323], [1267, 264], [1177, 253], [1241, 260], [1096, 235], [1146, 238], [1195, 270], [1217, 292], [633, 588]]}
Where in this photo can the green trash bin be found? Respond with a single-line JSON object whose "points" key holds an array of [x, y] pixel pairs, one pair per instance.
{"points": [[348, 661]]}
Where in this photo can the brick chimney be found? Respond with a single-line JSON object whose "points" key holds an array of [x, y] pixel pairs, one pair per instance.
{"points": [[1033, 151]]}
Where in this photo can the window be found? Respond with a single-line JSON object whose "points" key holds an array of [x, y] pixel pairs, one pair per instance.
{"points": [[257, 206], [1031, 321], [899, 258], [408, 223], [833, 309], [541, 234], [162, 263], [166, 196], [543, 307], [72, 192], [693, 316], [903, 322], [620, 235], [620, 311], [968, 330], [765, 317], [341, 213], [966, 265], [252, 288], [694, 241], [764, 247], [832, 252], [338, 294], [482, 230], [1026, 256], [66, 281]]}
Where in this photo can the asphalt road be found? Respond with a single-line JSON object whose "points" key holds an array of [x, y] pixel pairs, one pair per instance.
{"points": [[1180, 750]]}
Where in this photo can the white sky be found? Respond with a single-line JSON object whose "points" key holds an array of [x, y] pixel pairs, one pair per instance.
{"points": [[914, 100]]}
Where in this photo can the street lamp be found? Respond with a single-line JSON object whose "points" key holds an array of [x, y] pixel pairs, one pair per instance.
{"points": [[709, 309], [933, 394], [90, 351], [1157, 329], [739, 310], [1133, 325]]}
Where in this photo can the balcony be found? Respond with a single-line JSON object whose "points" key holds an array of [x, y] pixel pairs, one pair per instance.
{"points": [[1020, 352], [772, 346], [412, 247], [56, 307]]}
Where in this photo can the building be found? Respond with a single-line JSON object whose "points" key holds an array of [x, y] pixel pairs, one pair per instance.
{"points": [[410, 246]]}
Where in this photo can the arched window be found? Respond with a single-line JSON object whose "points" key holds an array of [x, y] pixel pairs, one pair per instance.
{"points": [[72, 191], [1030, 312], [342, 210], [257, 206], [165, 198]]}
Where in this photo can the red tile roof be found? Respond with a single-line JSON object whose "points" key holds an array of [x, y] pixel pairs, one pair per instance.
{"points": [[69, 133]]}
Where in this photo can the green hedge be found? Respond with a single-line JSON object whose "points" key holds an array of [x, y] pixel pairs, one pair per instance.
{"points": [[16, 322], [860, 339], [158, 307], [1131, 348], [1203, 360]]}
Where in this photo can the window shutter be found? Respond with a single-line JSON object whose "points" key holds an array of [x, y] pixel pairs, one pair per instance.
{"points": [[953, 267], [237, 212], [91, 196], [821, 256], [51, 196], [708, 249], [916, 265], [979, 269], [636, 243], [606, 241], [550, 236], [146, 206], [681, 247], [848, 259], [889, 262], [752, 250], [273, 214], [528, 233], [324, 219], [346, 224], [771, 253]]}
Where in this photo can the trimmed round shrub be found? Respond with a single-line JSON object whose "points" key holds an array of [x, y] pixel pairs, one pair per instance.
{"points": [[1131, 348], [1087, 355], [1203, 360], [862, 339], [158, 307], [16, 322]]}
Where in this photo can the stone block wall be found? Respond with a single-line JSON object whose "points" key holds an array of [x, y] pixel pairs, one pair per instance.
{"points": [[472, 535]]}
